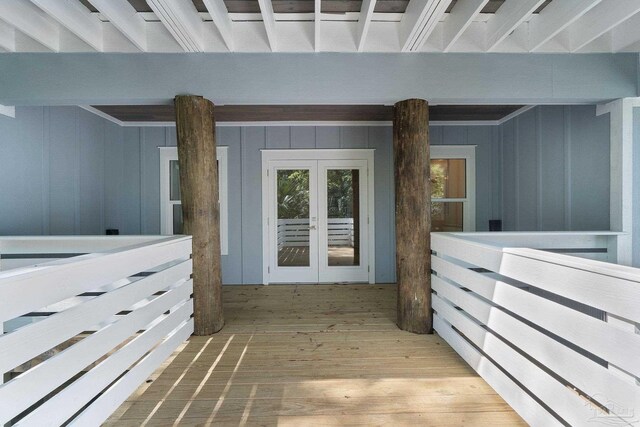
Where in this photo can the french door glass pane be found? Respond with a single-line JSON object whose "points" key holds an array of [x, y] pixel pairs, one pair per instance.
{"points": [[447, 216], [293, 218], [177, 219], [448, 178], [343, 217], [174, 181]]}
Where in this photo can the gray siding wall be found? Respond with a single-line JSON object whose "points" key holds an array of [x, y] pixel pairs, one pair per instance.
{"points": [[64, 170], [555, 170]]}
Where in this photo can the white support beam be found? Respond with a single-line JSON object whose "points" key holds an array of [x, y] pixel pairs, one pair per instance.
{"points": [[317, 18], [461, 16], [626, 36], [76, 18], [220, 16], [419, 21], [554, 18], [8, 111], [182, 20], [366, 13], [604, 17], [508, 17], [125, 18], [7, 37], [32, 21], [269, 20]]}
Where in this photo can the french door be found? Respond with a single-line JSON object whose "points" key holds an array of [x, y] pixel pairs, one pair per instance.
{"points": [[317, 221]]}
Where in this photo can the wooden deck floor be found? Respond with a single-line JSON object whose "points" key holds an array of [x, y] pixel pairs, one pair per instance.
{"points": [[314, 355]]}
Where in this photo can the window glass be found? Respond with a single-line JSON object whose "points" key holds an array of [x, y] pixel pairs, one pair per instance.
{"points": [[448, 178]]}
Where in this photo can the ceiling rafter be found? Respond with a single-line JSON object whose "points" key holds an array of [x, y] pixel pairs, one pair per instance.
{"points": [[269, 20], [556, 17], [601, 19], [460, 17], [76, 18], [364, 22], [7, 37], [125, 18], [510, 15], [220, 16], [626, 35], [32, 21], [182, 20], [419, 21], [317, 20]]}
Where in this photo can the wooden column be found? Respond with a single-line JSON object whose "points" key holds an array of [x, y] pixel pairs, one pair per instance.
{"points": [[200, 210], [413, 215]]}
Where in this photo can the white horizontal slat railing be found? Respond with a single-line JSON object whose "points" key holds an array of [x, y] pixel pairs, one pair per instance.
{"points": [[107, 320], [295, 232], [536, 324]]}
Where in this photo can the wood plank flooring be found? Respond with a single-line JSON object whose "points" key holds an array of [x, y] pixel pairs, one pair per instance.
{"points": [[314, 355]]}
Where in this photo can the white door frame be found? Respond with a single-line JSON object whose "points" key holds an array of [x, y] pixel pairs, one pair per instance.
{"points": [[316, 154]]}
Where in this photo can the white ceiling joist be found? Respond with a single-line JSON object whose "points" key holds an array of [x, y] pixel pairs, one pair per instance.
{"points": [[626, 35], [463, 13], [266, 9], [220, 16], [366, 13], [507, 18], [317, 15], [125, 18], [604, 17], [554, 18], [75, 18], [30, 20], [182, 20], [419, 21], [7, 37]]}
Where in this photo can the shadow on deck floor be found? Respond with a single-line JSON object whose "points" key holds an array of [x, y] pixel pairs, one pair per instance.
{"points": [[314, 355]]}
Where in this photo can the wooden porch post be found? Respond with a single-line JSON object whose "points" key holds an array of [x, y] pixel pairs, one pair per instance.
{"points": [[199, 195], [413, 214]]}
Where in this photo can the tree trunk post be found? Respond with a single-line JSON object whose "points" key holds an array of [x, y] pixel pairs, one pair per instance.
{"points": [[195, 125], [413, 214]]}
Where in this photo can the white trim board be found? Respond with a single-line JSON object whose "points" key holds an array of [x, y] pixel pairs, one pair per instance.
{"points": [[8, 111]]}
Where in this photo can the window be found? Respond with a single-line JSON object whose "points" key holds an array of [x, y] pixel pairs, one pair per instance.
{"points": [[453, 188], [170, 206]]}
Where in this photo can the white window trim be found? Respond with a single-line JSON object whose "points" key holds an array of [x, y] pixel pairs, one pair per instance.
{"points": [[168, 154], [468, 153]]}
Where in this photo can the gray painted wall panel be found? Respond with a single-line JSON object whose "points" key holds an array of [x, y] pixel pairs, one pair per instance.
{"points": [[91, 147], [253, 140], [232, 263], [555, 170], [327, 137], [303, 137], [130, 192]]}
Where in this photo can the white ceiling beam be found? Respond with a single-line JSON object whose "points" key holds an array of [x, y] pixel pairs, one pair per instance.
{"points": [[7, 37], [507, 18], [554, 18], [125, 18], [269, 20], [626, 35], [76, 18], [607, 15], [366, 13], [419, 21], [461, 16], [182, 20], [220, 16], [317, 19], [30, 20]]}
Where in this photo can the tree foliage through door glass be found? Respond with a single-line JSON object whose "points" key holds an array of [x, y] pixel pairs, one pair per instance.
{"points": [[293, 194]]}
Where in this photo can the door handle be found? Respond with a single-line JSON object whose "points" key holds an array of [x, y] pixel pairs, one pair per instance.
{"points": [[312, 227]]}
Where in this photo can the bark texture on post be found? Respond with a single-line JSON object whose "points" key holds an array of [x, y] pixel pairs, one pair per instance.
{"points": [[413, 215], [200, 210]]}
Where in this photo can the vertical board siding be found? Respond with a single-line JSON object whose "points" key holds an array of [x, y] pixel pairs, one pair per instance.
{"points": [[636, 189], [555, 170], [66, 171]]}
